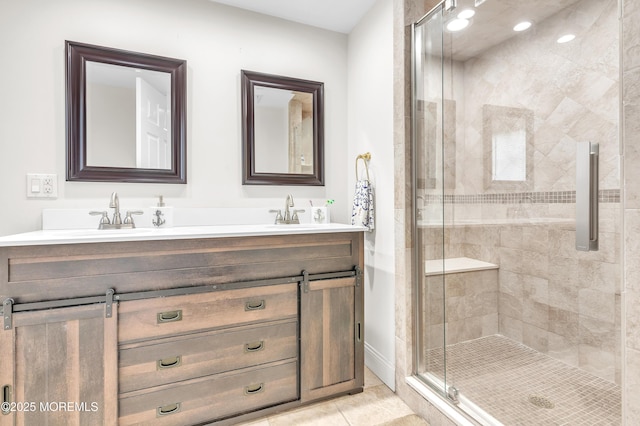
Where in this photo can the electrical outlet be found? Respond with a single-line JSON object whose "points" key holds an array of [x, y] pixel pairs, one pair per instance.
{"points": [[40, 185]]}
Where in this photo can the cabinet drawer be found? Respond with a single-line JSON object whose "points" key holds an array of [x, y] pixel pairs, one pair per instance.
{"points": [[210, 398], [151, 318], [144, 365]]}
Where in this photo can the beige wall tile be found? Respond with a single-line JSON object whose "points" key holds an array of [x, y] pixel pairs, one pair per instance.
{"points": [[563, 349], [598, 333], [633, 319], [597, 361], [597, 305], [535, 313], [632, 387], [510, 327], [565, 324], [535, 337], [632, 248]]}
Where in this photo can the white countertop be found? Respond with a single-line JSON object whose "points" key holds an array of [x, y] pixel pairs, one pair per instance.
{"points": [[77, 236]]}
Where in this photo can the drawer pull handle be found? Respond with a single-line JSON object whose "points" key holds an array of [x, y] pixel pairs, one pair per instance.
{"points": [[253, 389], [165, 410], [6, 399], [171, 316], [253, 306], [169, 362], [254, 347]]}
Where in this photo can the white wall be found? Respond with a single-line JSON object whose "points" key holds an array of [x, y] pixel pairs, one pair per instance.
{"points": [[370, 127], [217, 42]]}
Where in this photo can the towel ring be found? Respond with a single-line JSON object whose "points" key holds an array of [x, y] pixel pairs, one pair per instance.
{"points": [[364, 157]]}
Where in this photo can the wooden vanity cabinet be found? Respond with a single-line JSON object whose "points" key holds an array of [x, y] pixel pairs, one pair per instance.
{"points": [[215, 330], [331, 337]]}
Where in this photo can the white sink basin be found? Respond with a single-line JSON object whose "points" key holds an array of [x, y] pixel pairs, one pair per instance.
{"points": [[295, 226], [101, 232]]}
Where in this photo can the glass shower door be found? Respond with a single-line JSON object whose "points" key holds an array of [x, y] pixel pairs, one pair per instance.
{"points": [[510, 123]]}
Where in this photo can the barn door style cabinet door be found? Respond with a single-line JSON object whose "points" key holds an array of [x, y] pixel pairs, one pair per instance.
{"points": [[331, 336], [57, 366]]}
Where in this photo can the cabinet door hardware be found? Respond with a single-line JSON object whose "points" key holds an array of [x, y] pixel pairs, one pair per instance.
{"points": [[171, 362], [253, 306], [253, 389], [169, 316], [254, 347], [6, 399], [7, 313], [108, 303], [165, 410]]}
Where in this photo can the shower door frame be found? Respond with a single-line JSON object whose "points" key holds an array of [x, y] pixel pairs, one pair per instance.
{"points": [[418, 268]]}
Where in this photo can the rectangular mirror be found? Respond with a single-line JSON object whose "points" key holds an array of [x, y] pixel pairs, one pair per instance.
{"points": [[282, 123], [125, 116]]}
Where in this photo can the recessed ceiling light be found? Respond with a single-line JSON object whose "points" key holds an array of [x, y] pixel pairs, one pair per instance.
{"points": [[522, 26], [457, 24], [466, 14], [566, 38]]}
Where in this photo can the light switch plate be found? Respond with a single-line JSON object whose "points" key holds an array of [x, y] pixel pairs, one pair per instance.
{"points": [[40, 185]]}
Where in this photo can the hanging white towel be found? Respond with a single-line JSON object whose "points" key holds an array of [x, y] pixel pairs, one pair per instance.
{"points": [[362, 212]]}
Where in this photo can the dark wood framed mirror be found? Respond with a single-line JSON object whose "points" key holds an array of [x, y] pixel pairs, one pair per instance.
{"points": [[125, 116], [282, 130]]}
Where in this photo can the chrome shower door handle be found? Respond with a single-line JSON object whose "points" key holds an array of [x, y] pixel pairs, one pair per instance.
{"points": [[587, 155]]}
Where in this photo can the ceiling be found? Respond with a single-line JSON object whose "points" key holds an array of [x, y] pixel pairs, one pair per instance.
{"points": [[335, 15], [494, 23]]}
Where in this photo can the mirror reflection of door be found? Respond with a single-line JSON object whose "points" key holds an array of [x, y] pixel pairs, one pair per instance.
{"points": [[283, 121], [153, 150]]}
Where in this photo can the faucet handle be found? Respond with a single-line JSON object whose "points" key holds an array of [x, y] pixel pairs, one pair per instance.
{"points": [[128, 219], [294, 216], [104, 220], [279, 218]]}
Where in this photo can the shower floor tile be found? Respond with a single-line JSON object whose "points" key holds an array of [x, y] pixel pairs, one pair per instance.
{"points": [[520, 386]]}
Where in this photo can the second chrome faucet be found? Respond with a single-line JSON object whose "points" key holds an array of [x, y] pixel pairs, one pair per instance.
{"points": [[289, 217]]}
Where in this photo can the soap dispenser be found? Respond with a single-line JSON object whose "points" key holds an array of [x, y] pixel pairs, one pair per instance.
{"points": [[161, 214]]}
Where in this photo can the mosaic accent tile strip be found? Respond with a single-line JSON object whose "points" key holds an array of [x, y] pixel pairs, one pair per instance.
{"points": [[520, 386], [551, 197]]}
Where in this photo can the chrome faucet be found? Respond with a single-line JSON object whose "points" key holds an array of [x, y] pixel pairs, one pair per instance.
{"points": [[289, 216], [288, 202], [117, 222], [115, 204]]}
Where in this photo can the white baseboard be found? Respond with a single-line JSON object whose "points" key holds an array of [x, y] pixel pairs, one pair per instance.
{"points": [[380, 366]]}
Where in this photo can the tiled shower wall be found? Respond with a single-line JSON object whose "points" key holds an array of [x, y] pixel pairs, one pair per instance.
{"points": [[572, 95], [572, 92], [552, 298]]}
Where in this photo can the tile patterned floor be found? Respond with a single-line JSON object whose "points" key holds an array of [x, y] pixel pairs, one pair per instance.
{"points": [[377, 405], [501, 376]]}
